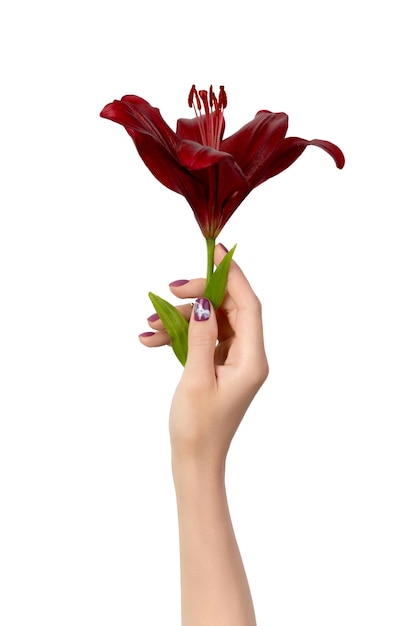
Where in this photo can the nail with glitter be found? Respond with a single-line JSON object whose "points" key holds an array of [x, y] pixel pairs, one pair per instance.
{"points": [[201, 309]]}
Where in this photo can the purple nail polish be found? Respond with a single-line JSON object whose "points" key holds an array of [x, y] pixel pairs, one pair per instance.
{"points": [[153, 318], [224, 248], [178, 283], [201, 309], [147, 334]]}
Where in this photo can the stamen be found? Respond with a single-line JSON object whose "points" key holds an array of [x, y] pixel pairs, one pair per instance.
{"points": [[210, 122], [212, 96], [203, 95], [193, 94], [222, 97]]}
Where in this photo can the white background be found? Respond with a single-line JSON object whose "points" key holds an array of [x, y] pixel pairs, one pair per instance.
{"points": [[322, 474]]}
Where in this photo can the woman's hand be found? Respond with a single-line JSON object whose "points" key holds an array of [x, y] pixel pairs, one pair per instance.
{"points": [[225, 368]]}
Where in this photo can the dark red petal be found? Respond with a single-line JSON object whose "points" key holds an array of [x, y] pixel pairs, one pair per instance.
{"points": [[221, 169], [195, 156], [190, 128], [164, 165], [332, 149], [137, 114], [283, 154], [221, 177], [257, 138], [154, 139]]}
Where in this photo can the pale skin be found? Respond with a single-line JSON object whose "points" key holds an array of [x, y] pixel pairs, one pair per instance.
{"points": [[226, 366]]}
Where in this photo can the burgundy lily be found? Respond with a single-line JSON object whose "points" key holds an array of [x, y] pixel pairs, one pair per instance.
{"points": [[214, 174]]}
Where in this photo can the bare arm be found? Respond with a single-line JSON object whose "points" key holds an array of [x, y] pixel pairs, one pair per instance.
{"points": [[214, 588], [225, 368]]}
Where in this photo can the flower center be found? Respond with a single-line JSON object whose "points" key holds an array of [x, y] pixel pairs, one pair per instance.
{"points": [[209, 112]]}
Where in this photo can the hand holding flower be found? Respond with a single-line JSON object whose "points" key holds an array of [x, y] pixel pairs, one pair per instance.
{"points": [[225, 368], [213, 174], [220, 346]]}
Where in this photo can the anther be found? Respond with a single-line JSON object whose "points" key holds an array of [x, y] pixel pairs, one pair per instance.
{"points": [[194, 95], [222, 97]]}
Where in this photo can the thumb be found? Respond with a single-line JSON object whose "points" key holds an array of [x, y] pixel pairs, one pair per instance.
{"points": [[202, 339]]}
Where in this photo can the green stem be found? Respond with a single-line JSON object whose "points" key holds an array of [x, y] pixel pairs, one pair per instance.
{"points": [[210, 258]]}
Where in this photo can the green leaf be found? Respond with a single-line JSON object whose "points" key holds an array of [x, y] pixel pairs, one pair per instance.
{"points": [[175, 325], [216, 286]]}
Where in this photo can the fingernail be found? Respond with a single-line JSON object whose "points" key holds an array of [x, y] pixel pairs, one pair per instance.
{"points": [[178, 283], [147, 334], [201, 309], [224, 248], [153, 318]]}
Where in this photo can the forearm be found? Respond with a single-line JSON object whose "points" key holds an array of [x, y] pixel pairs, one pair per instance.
{"points": [[214, 587]]}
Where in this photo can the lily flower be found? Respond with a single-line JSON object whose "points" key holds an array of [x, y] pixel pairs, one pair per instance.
{"points": [[213, 174]]}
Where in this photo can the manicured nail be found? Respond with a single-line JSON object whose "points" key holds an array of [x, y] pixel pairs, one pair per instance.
{"points": [[224, 248], [201, 309], [147, 334], [153, 318], [178, 283]]}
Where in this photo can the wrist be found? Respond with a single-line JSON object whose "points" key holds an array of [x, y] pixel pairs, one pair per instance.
{"points": [[190, 472]]}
